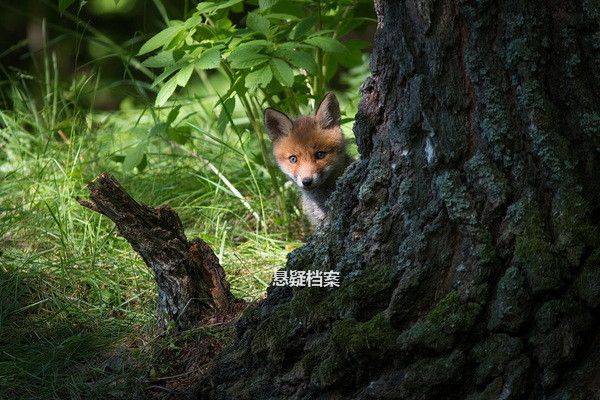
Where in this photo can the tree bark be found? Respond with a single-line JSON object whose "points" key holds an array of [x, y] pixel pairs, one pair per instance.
{"points": [[192, 287], [467, 235]]}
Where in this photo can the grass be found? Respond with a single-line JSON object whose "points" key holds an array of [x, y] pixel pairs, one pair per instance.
{"points": [[76, 303]]}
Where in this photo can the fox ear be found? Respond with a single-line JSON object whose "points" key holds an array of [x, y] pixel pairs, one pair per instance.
{"points": [[328, 112], [278, 124]]}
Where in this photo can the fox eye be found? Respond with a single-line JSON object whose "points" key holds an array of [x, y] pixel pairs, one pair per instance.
{"points": [[320, 154], [293, 159]]}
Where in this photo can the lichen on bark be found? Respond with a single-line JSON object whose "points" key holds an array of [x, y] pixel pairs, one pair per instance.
{"points": [[467, 235]]}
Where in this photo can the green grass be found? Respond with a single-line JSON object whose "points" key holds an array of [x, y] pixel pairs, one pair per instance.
{"points": [[77, 304], [75, 300]]}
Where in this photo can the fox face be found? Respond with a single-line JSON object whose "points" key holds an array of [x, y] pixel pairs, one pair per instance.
{"points": [[310, 149]]}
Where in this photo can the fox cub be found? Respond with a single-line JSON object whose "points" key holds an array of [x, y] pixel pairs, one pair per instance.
{"points": [[311, 151]]}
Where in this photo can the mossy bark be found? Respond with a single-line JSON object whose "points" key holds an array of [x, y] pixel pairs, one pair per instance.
{"points": [[467, 235], [192, 287]]}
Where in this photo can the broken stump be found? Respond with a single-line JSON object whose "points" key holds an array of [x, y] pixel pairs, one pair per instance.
{"points": [[192, 286]]}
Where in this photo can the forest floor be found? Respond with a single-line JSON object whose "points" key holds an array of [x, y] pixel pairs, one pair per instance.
{"points": [[77, 304]]}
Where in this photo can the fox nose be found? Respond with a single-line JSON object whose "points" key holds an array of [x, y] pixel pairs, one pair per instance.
{"points": [[307, 182]]}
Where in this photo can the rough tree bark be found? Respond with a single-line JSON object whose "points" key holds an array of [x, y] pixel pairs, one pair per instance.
{"points": [[191, 283], [467, 235]]}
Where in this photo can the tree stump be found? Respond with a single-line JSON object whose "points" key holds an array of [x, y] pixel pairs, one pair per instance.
{"points": [[191, 283]]}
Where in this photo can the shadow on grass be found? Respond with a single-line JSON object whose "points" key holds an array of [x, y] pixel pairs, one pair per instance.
{"points": [[49, 349], [53, 348]]}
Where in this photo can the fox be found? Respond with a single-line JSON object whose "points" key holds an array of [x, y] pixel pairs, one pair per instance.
{"points": [[311, 151]]}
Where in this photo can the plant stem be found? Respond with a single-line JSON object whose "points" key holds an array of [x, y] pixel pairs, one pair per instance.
{"points": [[252, 115], [319, 77], [266, 158], [336, 33]]}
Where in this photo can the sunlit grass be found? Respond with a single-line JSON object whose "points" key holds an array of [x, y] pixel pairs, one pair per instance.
{"points": [[72, 292], [77, 304]]}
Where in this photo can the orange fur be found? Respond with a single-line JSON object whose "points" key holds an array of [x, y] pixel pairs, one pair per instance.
{"points": [[305, 139]]}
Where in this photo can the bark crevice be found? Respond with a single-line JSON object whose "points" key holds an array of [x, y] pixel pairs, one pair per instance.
{"points": [[467, 236]]}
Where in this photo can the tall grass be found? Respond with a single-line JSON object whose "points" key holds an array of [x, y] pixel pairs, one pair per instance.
{"points": [[72, 293], [76, 303]]}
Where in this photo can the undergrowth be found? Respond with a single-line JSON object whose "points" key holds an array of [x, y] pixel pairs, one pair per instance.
{"points": [[77, 304], [74, 296]]}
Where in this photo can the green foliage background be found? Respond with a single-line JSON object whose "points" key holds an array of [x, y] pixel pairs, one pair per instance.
{"points": [[168, 96]]}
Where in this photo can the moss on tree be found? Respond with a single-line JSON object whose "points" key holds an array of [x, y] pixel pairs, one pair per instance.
{"points": [[466, 236]]}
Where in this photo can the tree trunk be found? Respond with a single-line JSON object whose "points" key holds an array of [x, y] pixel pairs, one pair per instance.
{"points": [[191, 283], [466, 235]]}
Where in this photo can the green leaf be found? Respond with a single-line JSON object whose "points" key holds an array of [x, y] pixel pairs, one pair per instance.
{"points": [[64, 4], [352, 24], [299, 59], [143, 164], [228, 4], [244, 52], [203, 32], [250, 62], [160, 60], [158, 130], [257, 23], [353, 57], [259, 78], [166, 91], [283, 72], [162, 38], [266, 4], [259, 43], [134, 156], [295, 46], [193, 21], [327, 44], [247, 49], [247, 56], [183, 76], [303, 27], [180, 134], [223, 24], [282, 17], [173, 115], [178, 40], [209, 59], [226, 114], [169, 70], [332, 66], [237, 87], [208, 7], [118, 158]]}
